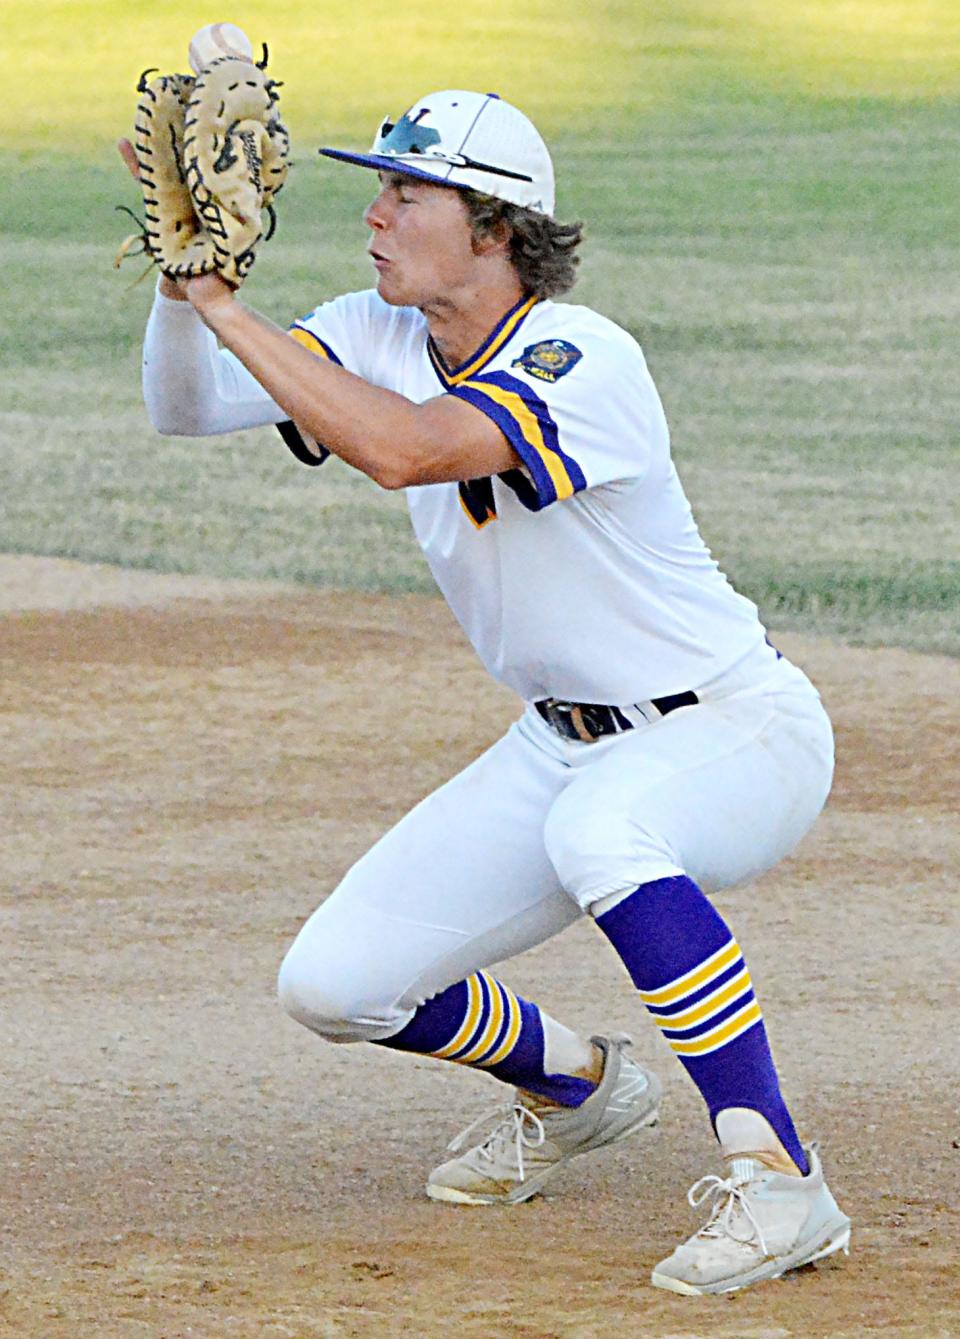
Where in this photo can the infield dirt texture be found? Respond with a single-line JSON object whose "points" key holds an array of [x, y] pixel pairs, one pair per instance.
{"points": [[194, 752]]}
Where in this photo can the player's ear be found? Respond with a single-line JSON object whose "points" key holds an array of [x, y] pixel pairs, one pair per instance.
{"points": [[494, 238]]}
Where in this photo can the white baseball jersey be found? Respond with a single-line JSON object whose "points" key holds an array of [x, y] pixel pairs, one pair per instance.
{"points": [[580, 575]]}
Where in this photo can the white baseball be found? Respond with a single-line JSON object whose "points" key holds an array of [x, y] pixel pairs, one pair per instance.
{"points": [[217, 40]]}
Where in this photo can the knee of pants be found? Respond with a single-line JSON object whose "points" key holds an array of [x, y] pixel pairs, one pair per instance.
{"points": [[327, 993], [600, 849]]}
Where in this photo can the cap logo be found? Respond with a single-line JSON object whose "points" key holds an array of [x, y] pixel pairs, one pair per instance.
{"points": [[409, 139], [409, 136], [549, 360]]}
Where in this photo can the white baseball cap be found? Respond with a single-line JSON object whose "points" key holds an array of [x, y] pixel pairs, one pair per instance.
{"points": [[472, 140]]}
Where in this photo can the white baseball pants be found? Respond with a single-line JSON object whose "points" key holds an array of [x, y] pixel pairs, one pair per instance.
{"points": [[540, 829]]}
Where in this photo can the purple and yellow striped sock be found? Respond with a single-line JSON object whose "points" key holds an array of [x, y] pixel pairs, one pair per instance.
{"points": [[480, 1022], [690, 973]]}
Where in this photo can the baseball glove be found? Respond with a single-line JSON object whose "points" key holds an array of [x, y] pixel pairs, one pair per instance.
{"points": [[212, 155]]}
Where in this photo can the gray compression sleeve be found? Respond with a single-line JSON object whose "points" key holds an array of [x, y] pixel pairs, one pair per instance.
{"points": [[193, 388]]}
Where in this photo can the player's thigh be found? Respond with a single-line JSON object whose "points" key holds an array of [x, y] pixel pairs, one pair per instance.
{"points": [[462, 881], [720, 792]]}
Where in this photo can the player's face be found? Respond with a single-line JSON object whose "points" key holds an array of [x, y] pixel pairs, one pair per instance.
{"points": [[421, 244]]}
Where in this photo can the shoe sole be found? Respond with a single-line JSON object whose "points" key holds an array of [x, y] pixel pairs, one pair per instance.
{"points": [[535, 1183], [835, 1237]]}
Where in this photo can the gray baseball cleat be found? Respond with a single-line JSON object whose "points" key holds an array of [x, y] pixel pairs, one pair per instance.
{"points": [[532, 1141], [762, 1224]]}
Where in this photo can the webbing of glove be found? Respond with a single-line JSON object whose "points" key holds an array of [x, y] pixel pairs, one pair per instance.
{"points": [[171, 225], [235, 152]]}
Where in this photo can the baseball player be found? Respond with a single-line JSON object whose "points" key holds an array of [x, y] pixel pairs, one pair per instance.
{"points": [[665, 749]]}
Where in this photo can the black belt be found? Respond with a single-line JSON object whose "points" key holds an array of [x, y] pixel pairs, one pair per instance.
{"points": [[588, 721]]}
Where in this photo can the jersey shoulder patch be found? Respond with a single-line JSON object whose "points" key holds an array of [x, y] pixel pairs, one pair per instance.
{"points": [[549, 360]]}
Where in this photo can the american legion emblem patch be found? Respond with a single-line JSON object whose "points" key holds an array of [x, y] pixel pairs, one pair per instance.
{"points": [[549, 360]]}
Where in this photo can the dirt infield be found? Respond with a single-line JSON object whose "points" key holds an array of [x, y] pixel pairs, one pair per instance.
{"points": [[188, 767]]}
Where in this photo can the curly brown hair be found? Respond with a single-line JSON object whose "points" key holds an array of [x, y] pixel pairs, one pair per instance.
{"points": [[542, 250]]}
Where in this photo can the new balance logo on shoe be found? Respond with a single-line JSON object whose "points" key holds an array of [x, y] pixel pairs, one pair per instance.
{"points": [[529, 1143]]}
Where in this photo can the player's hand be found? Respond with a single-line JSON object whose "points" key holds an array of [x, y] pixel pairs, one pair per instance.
{"points": [[125, 149], [208, 294]]}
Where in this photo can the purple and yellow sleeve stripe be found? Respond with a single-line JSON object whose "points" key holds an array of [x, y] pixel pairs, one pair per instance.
{"points": [[524, 419], [707, 1007], [490, 1026], [295, 440], [313, 343]]}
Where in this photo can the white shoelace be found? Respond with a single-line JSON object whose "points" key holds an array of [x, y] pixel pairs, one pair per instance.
{"points": [[729, 1196], [511, 1129]]}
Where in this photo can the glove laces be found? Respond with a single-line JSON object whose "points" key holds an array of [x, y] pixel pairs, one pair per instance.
{"points": [[518, 1126], [730, 1199]]}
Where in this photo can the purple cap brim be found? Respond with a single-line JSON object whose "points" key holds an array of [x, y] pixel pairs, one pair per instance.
{"points": [[382, 162]]}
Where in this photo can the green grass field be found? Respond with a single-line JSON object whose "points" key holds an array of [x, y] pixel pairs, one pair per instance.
{"points": [[772, 197]]}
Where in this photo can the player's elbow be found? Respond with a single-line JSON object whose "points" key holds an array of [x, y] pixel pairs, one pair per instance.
{"points": [[425, 454], [168, 425], [388, 476], [179, 419], [404, 466]]}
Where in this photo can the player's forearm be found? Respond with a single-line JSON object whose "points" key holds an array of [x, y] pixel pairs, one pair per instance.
{"points": [[377, 431]]}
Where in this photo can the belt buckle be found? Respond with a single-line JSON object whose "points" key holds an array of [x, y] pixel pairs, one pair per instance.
{"points": [[581, 718], [569, 719]]}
